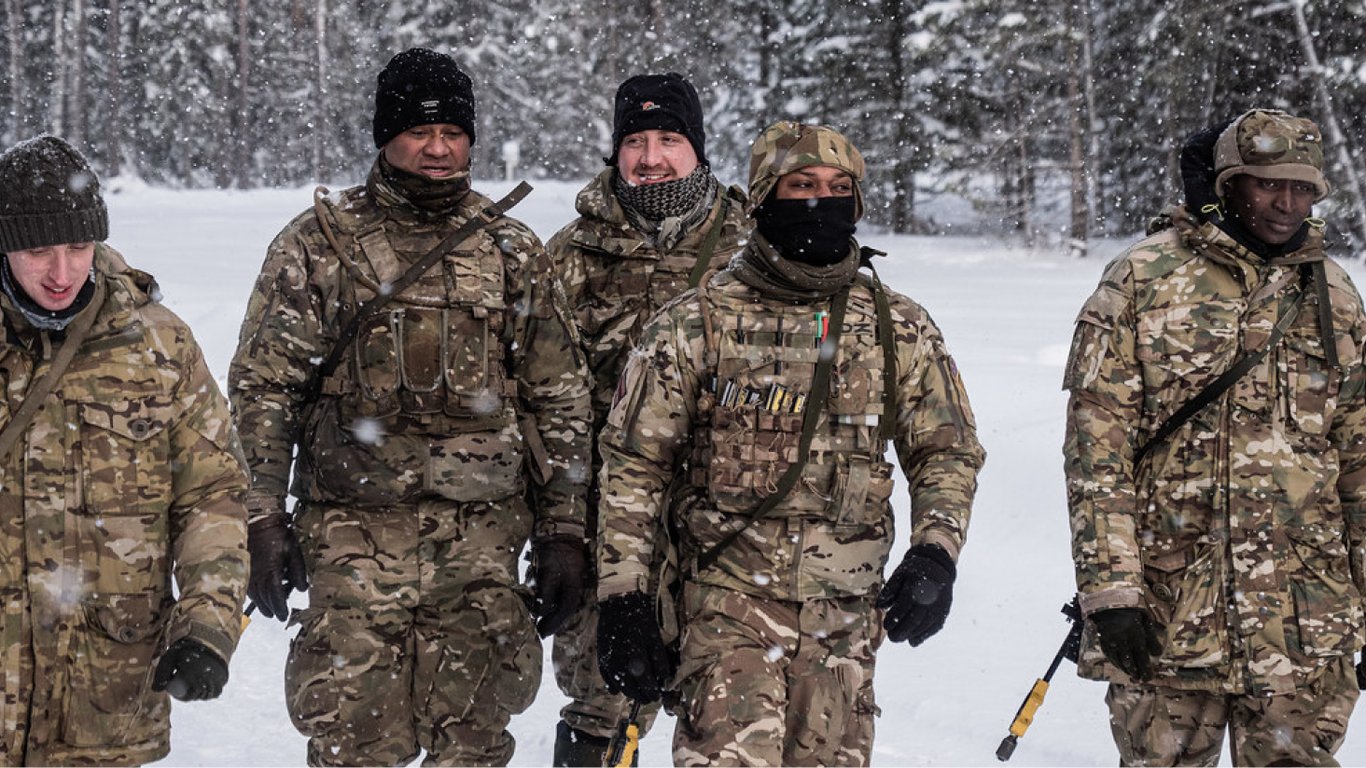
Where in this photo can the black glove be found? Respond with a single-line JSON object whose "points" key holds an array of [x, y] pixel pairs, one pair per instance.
{"points": [[277, 566], [190, 672], [918, 595], [561, 565], [1361, 672], [1129, 639], [632, 657]]}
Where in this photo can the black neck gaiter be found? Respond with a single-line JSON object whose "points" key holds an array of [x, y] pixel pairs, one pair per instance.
{"points": [[813, 231]]}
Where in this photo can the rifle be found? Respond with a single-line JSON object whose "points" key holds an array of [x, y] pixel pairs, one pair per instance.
{"points": [[1071, 646], [621, 752]]}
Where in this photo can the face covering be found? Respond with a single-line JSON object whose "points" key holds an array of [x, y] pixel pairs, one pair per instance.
{"points": [[813, 231]]}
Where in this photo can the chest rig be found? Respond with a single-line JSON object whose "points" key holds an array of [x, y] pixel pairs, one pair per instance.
{"points": [[762, 363], [431, 360]]}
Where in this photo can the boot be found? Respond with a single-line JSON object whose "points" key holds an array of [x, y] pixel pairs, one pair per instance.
{"points": [[576, 748]]}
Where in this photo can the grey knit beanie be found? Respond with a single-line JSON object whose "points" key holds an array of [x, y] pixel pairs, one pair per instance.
{"points": [[48, 196]]}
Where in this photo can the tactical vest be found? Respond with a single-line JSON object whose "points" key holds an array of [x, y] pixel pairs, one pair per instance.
{"points": [[427, 369], [750, 416]]}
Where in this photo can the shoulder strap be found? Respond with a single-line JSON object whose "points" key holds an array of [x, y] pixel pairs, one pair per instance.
{"points": [[820, 392], [886, 336], [33, 399], [709, 243], [487, 216], [1227, 379]]}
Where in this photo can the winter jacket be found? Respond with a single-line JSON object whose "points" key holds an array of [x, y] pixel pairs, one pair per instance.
{"points": [[724, 416], [1242, 533], [469, 383], [128, 476]]}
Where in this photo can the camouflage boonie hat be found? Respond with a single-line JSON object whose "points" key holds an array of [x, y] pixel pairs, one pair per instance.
{"points": [[1271, 144], [786, 146]]}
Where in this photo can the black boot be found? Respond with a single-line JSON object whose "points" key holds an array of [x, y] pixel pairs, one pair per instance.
{"points": [[576, 748]]}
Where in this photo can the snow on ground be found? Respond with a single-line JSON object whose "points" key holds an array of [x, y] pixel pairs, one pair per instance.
{"points": [[1007, 315]]}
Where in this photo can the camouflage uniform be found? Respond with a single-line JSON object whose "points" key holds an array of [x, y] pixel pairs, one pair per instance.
{"points": [[616, 280], [1242, 534], [413, 469], [129, 474], [780, 633]]}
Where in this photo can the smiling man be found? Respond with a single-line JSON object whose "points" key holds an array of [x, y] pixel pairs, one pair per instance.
{"points": [[434, 436], [1218, 531], [649, 226]]}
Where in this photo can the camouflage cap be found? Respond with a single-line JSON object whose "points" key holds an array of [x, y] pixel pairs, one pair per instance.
{"points": [[786, 146], [1271, 144]]}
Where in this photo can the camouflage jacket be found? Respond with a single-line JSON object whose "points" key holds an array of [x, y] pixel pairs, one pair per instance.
{"points": [[467, 385], [1242, 533], [128, 476], [677, 415], [616, 280]]}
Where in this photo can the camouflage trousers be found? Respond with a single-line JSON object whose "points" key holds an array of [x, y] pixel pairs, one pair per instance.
{"points": [[770, 682], [417, 635], [592, 709], [1156, 725]]}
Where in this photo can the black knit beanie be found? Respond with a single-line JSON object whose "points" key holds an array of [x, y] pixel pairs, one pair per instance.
{"points": [[665, 102], [422, 87], [48, 196]]}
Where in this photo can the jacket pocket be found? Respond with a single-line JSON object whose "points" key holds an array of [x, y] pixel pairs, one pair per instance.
{"points": [[476, 466], [1310, 386], [1328, 612], [1185, 593], [125, 450], [109, 701]]}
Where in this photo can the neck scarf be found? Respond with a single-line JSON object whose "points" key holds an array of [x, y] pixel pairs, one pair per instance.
{"points": [[667, 211], [429, 198], [761, 267]]}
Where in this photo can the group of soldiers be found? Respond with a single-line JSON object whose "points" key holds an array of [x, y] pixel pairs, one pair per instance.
{"points": [[681, 408]]}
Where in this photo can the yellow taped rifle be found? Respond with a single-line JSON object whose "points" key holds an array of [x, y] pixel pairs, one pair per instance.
{"points": [[1071, 646], [622, 752]]}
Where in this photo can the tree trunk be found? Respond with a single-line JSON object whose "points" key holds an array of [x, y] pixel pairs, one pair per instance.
{"points": [[113, 160], [1079, 234], [76, 116], [57, 123], [17, 78], [320, 88], [903, 164], [1335, 133], [241, 155]]}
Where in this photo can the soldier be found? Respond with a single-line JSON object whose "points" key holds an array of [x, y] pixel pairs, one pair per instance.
{"points": [[1218, 531], [772, 391], [421, 429], [119, 469], [650, 225]]}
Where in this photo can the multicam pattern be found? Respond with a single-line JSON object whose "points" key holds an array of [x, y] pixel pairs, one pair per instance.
{"points": [[786, 146], [1243, 533], [464, 394], [1164, 726], [616, 281], [128, 476], [748, 661], [814, 545]]}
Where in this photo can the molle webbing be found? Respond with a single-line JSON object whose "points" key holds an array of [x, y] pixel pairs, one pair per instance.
{"points": [[709, 243]]}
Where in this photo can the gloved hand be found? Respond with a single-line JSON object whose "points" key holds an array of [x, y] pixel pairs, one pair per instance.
{"points": [[1129, 639], [561, 566], [632, 657], [277, 565], [918, 595], [1361, 672], [190, 672]]}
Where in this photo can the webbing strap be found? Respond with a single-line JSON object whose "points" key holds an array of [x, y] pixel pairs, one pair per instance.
{"points": [[820, 394], [1330, 347], [33, 399], [709, 243], [885, 333], [1220, 385], [366, 311]]}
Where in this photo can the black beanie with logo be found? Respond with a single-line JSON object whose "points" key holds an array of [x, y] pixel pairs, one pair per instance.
{"points": [[421, 87], [665, 102], [49, 196]]}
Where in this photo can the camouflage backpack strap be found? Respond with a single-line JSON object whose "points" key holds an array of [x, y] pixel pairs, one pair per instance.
{"points": [[709, 243], [33, 399], [886, 334], [485, 217], [820, 393], [1330, 347], [1227, 379]]}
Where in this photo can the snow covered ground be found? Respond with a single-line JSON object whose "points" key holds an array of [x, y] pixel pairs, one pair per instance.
{"points": [[1007, 315]]}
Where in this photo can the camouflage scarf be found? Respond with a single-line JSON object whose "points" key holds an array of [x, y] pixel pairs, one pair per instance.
{"points": [[761, 267], [428, 198], [670, 209], [38, 317]]}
